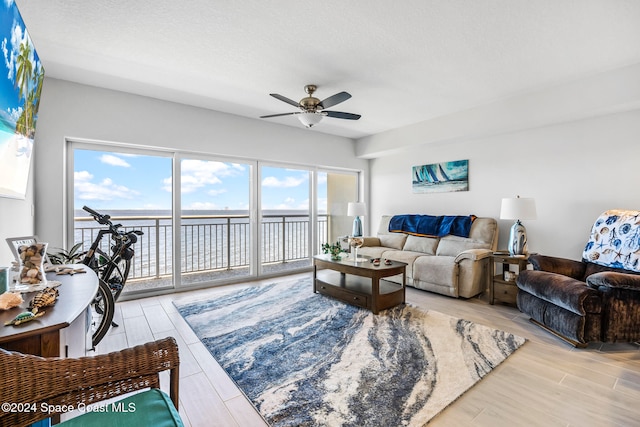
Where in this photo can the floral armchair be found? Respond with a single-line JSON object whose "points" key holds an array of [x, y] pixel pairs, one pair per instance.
{"points": [[595, 299]]}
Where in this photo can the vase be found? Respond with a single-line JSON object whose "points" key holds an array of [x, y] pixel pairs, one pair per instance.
{"points": [[31, 269]]}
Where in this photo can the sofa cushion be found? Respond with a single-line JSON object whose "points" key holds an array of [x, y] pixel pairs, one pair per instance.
{"points": [[485, 230], [425, 245], [149, 408], [591, 268], [452, 245], [407, 257], [394, 241], [383, 228]]}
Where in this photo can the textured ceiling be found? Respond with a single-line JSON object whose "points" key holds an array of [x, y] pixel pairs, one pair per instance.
{"points": [[403, 61]]}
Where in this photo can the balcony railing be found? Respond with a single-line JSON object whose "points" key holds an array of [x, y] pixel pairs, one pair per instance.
{"points": [[208, 242]]}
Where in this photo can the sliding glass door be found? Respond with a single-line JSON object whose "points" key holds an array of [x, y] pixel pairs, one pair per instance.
{"points": [[215, 221], [207, 220], [285, 235], [131, 187]]}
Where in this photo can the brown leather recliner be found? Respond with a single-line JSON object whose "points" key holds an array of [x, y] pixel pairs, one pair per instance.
{"points": [[596, 299]]}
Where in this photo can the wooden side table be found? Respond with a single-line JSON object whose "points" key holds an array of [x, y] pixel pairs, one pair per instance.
{"points": [[501, 287]]}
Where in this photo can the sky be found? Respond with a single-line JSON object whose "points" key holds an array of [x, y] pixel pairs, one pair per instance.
{"points": [[111, 180]]}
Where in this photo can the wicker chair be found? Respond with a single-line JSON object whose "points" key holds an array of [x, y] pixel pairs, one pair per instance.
{"points": [[52, 383]]}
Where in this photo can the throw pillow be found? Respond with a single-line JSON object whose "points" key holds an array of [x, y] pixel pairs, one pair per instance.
{"points": [[426, 245], [394, 241]]}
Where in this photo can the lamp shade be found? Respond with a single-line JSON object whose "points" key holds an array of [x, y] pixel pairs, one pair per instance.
{"points": [[518, 208], [356, 209], [309, 118]]}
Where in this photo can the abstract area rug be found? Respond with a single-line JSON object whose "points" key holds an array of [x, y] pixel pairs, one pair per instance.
{"points": [[304, 359]]}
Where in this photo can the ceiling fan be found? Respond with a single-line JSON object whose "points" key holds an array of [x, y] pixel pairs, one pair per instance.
{"points": [[312, 109]]}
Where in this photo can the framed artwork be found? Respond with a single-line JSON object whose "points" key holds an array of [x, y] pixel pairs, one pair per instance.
{"points": [[20, 88], [441, 177]]}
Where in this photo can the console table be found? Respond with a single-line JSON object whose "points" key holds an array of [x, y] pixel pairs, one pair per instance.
{"points": [[63, 331]]}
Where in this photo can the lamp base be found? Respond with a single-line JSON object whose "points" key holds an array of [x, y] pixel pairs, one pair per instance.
{"points": [[518, 239], [357, 227]]}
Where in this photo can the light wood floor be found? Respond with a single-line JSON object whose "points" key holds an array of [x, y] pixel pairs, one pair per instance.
{"points": [[545, 383]]}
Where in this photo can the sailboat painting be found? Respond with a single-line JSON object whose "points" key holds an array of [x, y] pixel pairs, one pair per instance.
{"points": [[441, 177]]}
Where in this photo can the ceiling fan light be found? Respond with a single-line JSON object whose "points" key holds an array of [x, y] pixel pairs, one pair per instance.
{"points": [[309, 118]]}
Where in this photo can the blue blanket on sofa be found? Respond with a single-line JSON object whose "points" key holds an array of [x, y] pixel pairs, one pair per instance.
{"points": [[429, 225]]}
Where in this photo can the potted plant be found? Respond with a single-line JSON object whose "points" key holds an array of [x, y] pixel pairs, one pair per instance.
{"points": [[72, 256], [333, 249]]}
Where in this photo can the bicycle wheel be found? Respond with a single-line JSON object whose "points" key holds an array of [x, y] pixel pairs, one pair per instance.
{"points": [[102, 309], [115, 272]]}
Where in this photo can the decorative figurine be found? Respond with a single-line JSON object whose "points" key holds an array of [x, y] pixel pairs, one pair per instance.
{"points": [[27, 316], [45, 298]]}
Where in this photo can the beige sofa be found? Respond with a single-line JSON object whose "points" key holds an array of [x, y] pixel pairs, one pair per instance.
{"points": [[449, 265]]}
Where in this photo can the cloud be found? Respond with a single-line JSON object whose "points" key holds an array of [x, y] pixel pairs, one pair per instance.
{"points": [[14, 113], [9, 59], [197, 174], [205, 168], [107, 189], [216, 192], [112, 160], [287, 182], [10, 49], [82, 176], [191, 183]]}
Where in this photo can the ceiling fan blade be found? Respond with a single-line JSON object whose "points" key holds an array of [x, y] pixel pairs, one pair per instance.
{"points": [[285, 99], [278, 115], [341, 115], [334, 100]]}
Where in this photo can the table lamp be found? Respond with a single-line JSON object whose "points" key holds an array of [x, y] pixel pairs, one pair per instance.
{"points": [[518, 208], [356, 209]]}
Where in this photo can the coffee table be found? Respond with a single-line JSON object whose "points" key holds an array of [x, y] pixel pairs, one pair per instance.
{"points": [[359, 283]]}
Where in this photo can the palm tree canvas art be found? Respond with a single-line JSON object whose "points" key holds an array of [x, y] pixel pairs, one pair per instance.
{"points": [[20, 89]]}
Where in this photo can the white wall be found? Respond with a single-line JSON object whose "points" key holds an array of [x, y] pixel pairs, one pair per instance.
{"points": [[78, 111], [574, 170], [16, 219]]}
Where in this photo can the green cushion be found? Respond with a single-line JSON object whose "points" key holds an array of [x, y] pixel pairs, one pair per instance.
{"points": [[149, 408]]}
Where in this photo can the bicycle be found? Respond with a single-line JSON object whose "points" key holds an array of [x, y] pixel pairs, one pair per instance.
{"points": [[112, 270]]}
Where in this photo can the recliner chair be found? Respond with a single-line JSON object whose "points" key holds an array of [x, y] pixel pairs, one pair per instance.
{"points": [[596, 299]]}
